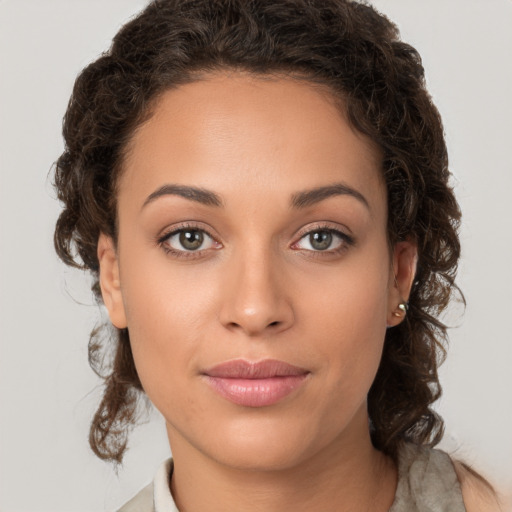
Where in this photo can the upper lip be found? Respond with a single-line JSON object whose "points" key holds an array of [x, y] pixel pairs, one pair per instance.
{"points": [[242, 369]]}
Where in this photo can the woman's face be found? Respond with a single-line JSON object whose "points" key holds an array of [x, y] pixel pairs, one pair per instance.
{"points": [[252, 229]]}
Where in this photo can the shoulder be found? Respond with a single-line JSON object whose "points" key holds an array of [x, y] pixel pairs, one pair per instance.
{"points": [[478, 494], [155, 497], [141, 502], [426, 481]]}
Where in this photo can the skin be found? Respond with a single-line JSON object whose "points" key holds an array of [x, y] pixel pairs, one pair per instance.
{"points": [[258, 289], [478, 494]]}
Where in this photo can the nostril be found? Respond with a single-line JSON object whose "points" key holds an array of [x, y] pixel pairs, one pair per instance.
{"points": [[273, 324]]}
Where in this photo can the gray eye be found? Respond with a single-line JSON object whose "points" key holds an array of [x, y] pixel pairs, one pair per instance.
{"points": [[320, 240], [191, 239]]}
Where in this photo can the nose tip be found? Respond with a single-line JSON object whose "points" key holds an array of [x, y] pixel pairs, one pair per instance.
{"points": [[255, 301], [254, 321]]}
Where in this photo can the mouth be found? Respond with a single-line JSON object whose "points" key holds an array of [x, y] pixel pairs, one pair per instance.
{"points": [[255, 384]]}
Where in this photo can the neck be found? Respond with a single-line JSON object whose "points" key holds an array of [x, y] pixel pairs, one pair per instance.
{"points": [[347, 475]]}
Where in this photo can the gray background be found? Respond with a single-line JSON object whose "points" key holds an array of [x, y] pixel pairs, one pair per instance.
{"points": [[48, 392]]}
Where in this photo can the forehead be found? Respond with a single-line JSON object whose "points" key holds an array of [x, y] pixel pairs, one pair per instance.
{"points": [[233, 131]]}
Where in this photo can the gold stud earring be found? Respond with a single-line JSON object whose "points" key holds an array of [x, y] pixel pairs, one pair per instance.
{"points": [[402, 309]]}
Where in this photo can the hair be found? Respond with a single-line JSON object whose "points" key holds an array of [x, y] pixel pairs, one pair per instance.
{"points": [[357, 53]]}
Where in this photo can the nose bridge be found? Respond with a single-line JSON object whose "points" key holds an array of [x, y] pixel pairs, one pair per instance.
{"points": [[255, 298]]}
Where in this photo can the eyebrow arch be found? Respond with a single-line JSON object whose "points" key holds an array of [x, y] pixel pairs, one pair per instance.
{"points": [[199, 195], [315, 195]]}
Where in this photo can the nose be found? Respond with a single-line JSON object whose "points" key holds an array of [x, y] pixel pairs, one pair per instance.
{"points": [[255, 299]]}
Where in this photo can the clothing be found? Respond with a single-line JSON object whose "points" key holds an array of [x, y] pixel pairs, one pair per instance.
{"points": [[426, 483]]}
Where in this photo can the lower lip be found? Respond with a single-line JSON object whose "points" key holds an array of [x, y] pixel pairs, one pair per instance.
{"points": [[256, 392]]}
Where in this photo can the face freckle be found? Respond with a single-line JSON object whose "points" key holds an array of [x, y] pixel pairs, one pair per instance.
{"points": [[219, 260]]}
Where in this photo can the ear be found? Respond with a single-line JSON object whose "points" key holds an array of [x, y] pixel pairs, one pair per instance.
{"points": [[405, 259], [110, 283]]}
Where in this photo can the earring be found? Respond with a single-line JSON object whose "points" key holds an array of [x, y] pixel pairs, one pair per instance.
{"points": [[401, 309]]}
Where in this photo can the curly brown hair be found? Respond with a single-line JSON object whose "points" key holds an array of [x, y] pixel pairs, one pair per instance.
{"points": [[353, 50]]}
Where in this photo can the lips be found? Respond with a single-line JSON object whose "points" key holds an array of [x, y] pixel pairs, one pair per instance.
{"points": [[255, 384]]}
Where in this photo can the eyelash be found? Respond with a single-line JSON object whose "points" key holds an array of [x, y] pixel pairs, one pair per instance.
{"points": [[162, 241], [347, 241]]}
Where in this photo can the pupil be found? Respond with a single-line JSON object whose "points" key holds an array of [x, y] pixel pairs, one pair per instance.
{"points": [[321, 240], [191, 240]]}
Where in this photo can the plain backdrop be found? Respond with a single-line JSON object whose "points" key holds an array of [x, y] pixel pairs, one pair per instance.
{"points": [[47, 391]]}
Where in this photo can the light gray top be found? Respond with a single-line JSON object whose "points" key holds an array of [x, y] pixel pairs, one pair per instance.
{"points": [[426, 483]]}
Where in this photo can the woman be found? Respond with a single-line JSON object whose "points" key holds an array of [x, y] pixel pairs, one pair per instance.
{"points": [[261, 193]]}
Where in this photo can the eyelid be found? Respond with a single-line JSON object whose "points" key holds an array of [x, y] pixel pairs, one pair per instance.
{"points": [[183, 225], [348, 239], [174, 229]]}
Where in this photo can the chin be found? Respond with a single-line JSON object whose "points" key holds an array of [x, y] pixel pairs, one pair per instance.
{"points": [[263, 444], [262, 457]]}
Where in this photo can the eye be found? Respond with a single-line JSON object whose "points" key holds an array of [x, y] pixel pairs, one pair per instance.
{"points": [[185, 240], [325, 239]]}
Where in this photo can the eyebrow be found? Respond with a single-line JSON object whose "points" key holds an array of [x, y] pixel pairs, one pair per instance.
{"points": [[313, 196], [199, 195], [299, 200]]}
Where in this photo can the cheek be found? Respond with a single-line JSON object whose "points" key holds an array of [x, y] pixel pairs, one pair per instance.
{"points": [[349, 315], [351, 299], [166, 315], [162, 297]]}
